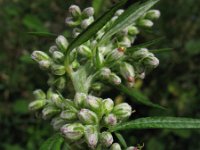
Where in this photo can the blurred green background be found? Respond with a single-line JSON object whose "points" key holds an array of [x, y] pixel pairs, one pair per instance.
{"points": [[175, 84]]}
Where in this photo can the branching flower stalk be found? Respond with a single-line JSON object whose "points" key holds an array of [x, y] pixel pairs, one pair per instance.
{"points": [[86, 118]]}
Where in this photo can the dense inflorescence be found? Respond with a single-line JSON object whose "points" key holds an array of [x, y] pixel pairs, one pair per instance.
{"points": [[90, 66]]}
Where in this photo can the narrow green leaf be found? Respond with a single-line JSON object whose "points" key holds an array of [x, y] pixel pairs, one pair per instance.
{"points": [[137, 96], [95, 26], [159, 123], [163, 50], [121, 140], [52, 143], [133, 13], [46, 34], [144, 45]]}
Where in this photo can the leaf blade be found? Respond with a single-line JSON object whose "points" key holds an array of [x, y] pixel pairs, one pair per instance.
{"points": [[159, 123], [52, 143], [121, 139], [46, 34], [95, 26], [128, 18], [144, 45]]}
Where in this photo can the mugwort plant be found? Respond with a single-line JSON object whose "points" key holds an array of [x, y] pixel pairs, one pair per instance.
{"points": [[101, 53]]}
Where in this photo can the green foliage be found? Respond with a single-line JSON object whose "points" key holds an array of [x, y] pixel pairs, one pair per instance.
{"points": [[52, 143], [121, 140], [174, 84], [129, 17], [95, 26], [159, 123]]}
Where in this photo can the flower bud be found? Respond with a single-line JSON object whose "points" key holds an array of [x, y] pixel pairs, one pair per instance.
{"points": [[141, 75], [113, 19], [86, 22], [53, 49], [115, 146], [131, 148], [122, 111], [94, 104], [62, 43], [84, 50], [49, 111], [110, 120], [114, 79], [97, 86], [145, 23], [39, 56], [108, 105], [105, 73], [57, 123], [73, 55], [99, 60], [68, 115], [57, 100], [75, 64], [88, 117], [60, 83], [38, 104], [44, 64], [106, 139], [88, 12], [91, 135], [73, 131], [71, 23], [130, 84], [140, 54], [116, 54], [152, 14], [127, 71], [75, 11], [39, 94], [132, 30], [58, 69], [119, 12], [58, 56], [76, 32], [100, 34], [49, 93], [151, 62], [126, 42], [80, 100]]}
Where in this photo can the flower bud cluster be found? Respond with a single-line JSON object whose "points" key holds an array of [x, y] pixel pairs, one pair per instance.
{"points": [[80, 19], [88, 117], [82, 117], [53, 62]]}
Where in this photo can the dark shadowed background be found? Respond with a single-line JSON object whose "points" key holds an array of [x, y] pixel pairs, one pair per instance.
{"points": [[175, 84]]}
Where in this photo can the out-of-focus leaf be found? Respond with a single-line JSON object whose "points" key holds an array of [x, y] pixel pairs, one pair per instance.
{"points": [[144, 45], [20, 106], [162, 50], [33, 23], [133, 13], [97, 5], [53, 143], [137, 96], [121, 140], [193, 47], [159, 123], [26, 59], [46, 34], [95, 26]]}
